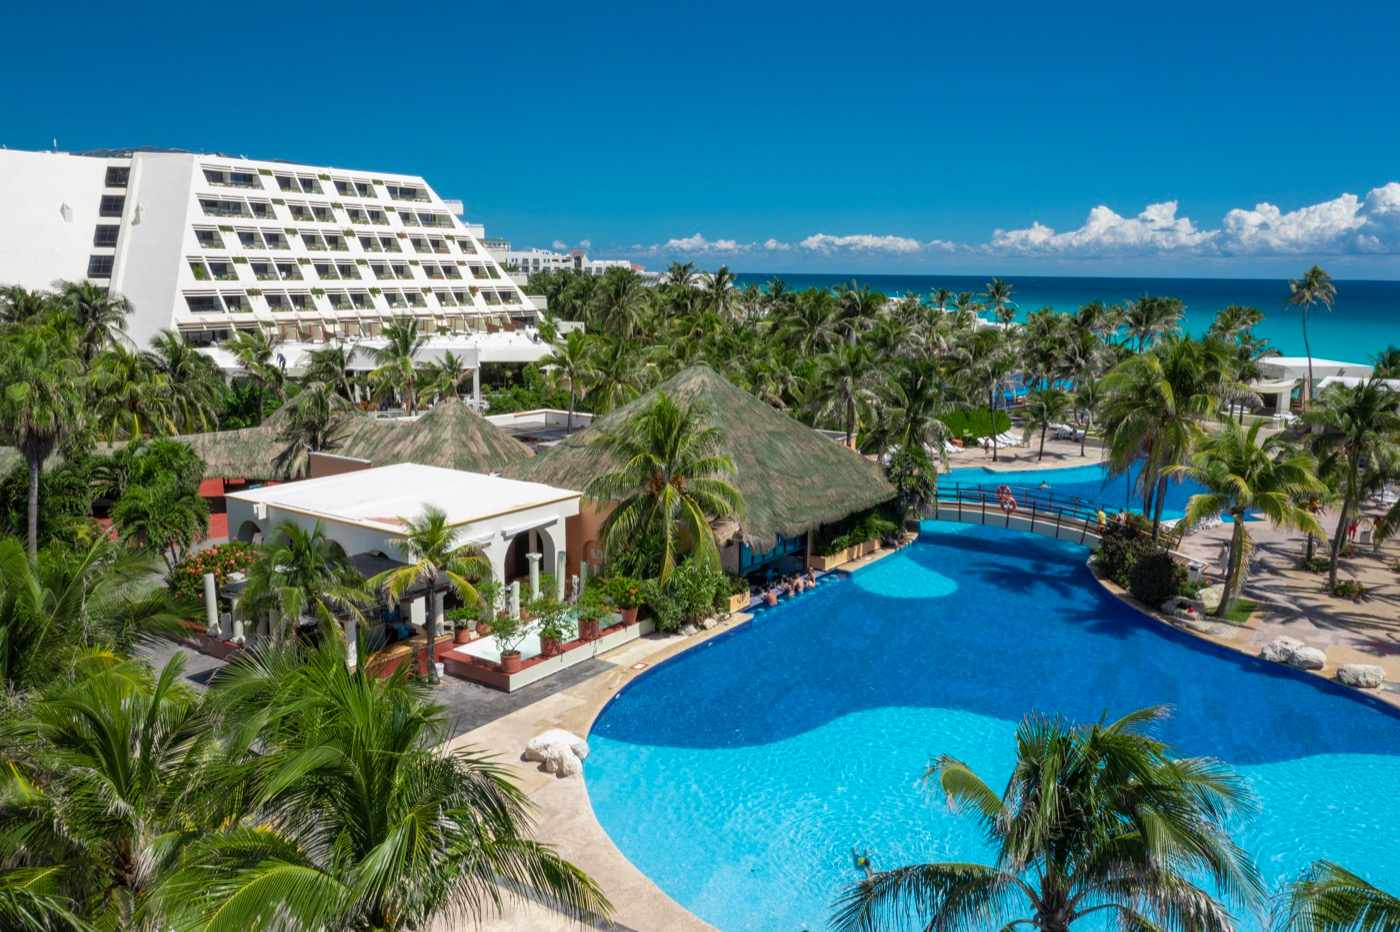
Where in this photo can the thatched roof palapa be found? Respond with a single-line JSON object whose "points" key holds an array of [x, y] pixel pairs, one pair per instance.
{"points": [[792, 478]]}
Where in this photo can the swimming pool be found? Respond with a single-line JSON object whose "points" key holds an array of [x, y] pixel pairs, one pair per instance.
{"points": [[1090, 482], [741, 775]]}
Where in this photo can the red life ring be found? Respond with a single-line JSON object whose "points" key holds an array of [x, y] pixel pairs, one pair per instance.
{"points": [[1008, 505], [1003, 493]]}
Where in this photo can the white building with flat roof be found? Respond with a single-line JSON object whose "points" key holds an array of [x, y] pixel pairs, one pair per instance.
{"points": [[528, 262], [212, 244]]}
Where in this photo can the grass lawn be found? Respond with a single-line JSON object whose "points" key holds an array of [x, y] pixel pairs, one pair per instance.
{"points": [[1239, 612]]}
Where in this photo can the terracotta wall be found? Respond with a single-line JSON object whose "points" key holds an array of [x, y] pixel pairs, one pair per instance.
{"points": [[581, 534]]}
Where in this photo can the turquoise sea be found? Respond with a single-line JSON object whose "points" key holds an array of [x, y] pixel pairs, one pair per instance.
{"points": [[1365, 319]]}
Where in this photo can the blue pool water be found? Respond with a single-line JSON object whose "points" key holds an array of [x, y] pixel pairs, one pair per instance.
{"points": [[741, 775], [1090, 482]]}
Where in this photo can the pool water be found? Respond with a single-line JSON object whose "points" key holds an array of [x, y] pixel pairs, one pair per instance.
{"points": [[742, 775], [1090, 482]]}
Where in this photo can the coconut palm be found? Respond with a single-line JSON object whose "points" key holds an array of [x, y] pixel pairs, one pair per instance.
{"points": [[1045, 408], [1314, 287], [41, 400], [443, 379], [620, 301], [55, 605], [571, 363], [330, 365], [1243, 475], [998, 295], [396, 362], [108, 790], [1387, 363], [1096, 821], [130, 398], [352, 813], [985, 360], [1330, 898], [20, 305], [1149, 318], [847, 380], [301, 573], [1357, 429], [856, 310], [439, 562], [163, 517], [99, 315], [256, 353], [314, 422], [670, 484], [723, 297], [193, 382]]}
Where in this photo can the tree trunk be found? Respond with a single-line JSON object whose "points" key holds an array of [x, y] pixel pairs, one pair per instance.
{"points": [[1232, 568], [33, 516], [1307, 348], [434, 613], [1041, 455], [572, 402], [1157, 506], [850, 420], [1084, 438], [1337, 543], [992, 415]]}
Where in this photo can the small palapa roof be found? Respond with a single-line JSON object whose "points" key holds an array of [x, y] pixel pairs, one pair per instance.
{"points": [[793, 479]]}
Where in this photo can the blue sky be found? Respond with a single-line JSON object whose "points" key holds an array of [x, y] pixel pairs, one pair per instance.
{"points": [[796, 137]]}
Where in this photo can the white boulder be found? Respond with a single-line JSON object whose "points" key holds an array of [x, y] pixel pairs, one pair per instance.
{"points": [[1361, 675], [1294, 653], [560, 752]]}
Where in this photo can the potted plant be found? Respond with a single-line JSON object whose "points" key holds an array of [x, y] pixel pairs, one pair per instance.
{"points": [[553, 625], [509, 632], [590, 607], [738, 594], [626, 593], [491, 607], [463, 621]]}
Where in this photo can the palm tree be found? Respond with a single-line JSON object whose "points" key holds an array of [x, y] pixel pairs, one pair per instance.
{"points": [[164, 517], [256, 353], [672, 481], [986, 360], [99, 315], [723, 298], [1330, 898], [571, 360], [41, 401], [616, 371], [998, 295], [847, 381], [64, 601], [1387, 363], [1243, 476], [396, 363], [193, 381], [1359, 426], [22, 306], [130, 397], [1149, 318], [353, 814], [443, 379], [108, 791], [1315, 287], [437, 561], [857, 309], [1045, 407], [315, 417], [300, 572], [1096, 821], [331, 366], [620, 301]]}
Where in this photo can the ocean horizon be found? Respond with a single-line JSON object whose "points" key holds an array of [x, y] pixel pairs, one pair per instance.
{"points": [[1363, 321]]}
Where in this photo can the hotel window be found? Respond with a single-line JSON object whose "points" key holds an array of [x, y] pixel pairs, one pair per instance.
{"points": [[379, 217], [326, 271], [337, 242], [209, 239], [251, 239], [370, 244], [312, 240], [406, 193], [303, 302], [365, 189], [401, 270], [439, 246], [381, 270], [415, 299], [348, 271], [118, 176], [287, 183], [99, 267], [277, 301], [204, 304], [344, 188], [275, 239], [237, 304], [111, 205], [300, 212], [466, 246], [434, 220], [289, 271], [356, 215], [452, 272], [393, 299], [420, 244], [263, 270], [262, 210], [433, 271], [339, 300], [223, 270], [105, 235], [390, 244], [445, 298], [199, 270], [463, 298], [361, 300], [309, 185], [231, 179], [214, 207], [323, 213]]}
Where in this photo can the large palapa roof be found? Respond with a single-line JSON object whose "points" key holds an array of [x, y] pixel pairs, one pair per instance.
{"points": [[793, 479]]}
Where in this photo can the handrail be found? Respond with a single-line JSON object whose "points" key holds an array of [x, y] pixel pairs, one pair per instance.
{"points": [[1067, 512]]}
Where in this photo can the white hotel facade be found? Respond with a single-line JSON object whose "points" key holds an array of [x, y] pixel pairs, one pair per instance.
{"points": [[210, 244]]}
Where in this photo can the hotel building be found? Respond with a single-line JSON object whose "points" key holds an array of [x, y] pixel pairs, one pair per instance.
{"points": [[212, 244]]}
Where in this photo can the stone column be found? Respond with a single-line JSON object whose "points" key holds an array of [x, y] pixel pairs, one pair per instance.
{"points": [[351, 635], [515, 599], [476, 387], [582, 576], [534, 559], [211, 605], [560, 574]]}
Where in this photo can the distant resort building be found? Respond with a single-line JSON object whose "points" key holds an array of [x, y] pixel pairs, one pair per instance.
{"points": [[527, 262], [1283, 377], [212, 244]]}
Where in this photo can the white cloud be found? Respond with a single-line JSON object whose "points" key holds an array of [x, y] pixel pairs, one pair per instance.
{"points": [[585, 244], [559, 244], [698, 245], [1156, 229], [861, 242], [774, 245]]}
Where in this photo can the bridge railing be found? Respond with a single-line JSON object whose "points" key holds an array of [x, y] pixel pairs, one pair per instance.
{"points": [[1064, 517]]}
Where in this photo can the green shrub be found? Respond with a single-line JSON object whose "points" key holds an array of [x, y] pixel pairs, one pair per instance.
{"points": [[1155, 577], [186, 581], [696, 589], [976, 423], [664, 607], [1120, 548], [623, 591]]}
